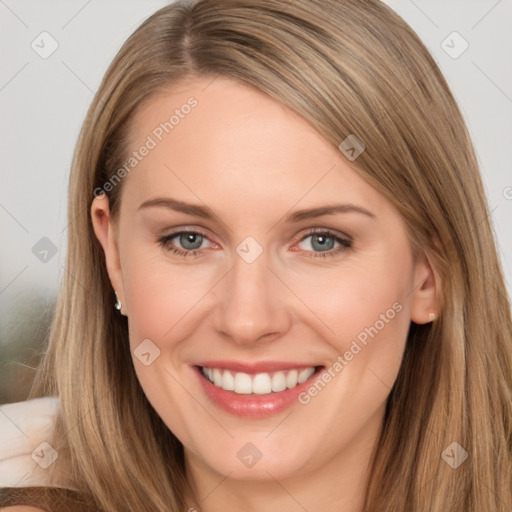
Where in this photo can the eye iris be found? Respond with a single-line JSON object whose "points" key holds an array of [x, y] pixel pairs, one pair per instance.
{"points": [[192, 238], [324, 246]]}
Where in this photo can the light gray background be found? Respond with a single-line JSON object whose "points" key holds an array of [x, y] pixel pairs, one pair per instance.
{"points": [[44, 101]]}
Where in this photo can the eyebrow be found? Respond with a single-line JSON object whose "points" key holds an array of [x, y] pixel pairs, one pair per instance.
{"points": [[296, 216]]}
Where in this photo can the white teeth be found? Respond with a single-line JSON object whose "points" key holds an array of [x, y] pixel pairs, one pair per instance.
{"points": [[243, 384], [305, 374], [259, 384], [228, 381], [291, 379], [278, 382], [217, 377]]}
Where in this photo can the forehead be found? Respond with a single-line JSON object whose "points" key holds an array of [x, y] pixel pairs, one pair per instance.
{"points": [[220, 140]]}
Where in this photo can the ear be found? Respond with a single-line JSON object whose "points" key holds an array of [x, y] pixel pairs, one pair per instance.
{"points": [[425, 303], [104, 230]]}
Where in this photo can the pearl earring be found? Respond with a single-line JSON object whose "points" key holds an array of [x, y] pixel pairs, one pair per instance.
{"points": [[432, 316], [118, 304]]}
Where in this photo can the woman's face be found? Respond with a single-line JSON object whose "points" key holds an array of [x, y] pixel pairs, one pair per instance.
{"points": [[291, 264]]}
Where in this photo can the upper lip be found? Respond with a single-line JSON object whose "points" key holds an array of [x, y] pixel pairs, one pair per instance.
{"points": [[254, 367]]}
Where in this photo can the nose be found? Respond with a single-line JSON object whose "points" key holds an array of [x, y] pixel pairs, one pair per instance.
{"points": [[252, 305]]}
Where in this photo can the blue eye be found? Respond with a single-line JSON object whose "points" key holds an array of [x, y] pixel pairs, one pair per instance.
{"points": [[324, 243], [191, 242]]}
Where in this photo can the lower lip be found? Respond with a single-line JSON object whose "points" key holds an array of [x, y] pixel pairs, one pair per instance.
{"points": [[253, 406]]}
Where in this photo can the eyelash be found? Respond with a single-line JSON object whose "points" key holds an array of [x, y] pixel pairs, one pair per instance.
{"points": [[345, 244]]}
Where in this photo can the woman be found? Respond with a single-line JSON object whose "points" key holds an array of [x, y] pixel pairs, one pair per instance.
{"points": [[282, 287]]}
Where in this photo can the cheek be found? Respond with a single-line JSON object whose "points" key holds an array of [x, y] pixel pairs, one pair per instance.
{"points": [[359, 302], [162, 298], [363, 312], [163, 305]]}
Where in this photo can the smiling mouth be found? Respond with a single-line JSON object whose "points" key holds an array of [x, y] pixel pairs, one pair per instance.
{"points": [[263, 383]]}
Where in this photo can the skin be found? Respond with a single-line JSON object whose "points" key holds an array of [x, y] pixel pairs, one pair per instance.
{"points": [[253, 161]]}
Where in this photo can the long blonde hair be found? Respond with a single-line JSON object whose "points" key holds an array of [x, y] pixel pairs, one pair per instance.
{"points": [[348, 67]]}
